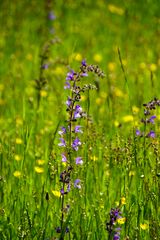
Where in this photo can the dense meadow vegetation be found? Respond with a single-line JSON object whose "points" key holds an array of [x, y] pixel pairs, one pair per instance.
{"points": [[79, 119]]}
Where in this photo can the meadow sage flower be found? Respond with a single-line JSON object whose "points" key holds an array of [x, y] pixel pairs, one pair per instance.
{"points": [[79, 160], [62, 143], [76, 143], [77, 183]]}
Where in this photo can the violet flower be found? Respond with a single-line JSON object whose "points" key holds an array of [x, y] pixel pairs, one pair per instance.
{"points": [[70, 76], [151, 119], [79, 160], [76, 143], [151, 134], [63, 131], [62, 143], [77, 129], [64, 159], [77, 183]]}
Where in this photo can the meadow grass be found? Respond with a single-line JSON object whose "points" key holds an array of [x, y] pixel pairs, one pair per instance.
{"points": [[40, 42]]}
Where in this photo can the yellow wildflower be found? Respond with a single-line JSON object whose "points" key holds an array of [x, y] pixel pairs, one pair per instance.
{"points": [[17, 157], [19, 121], [123, 200], [43, 93], [1, 87], [121, 220], [98, 101], [153, 67], [111, 66], [56, 193], [78, 57], [94, 158], [142, 65], [116, 123], [114, 9], [29, 57], [135, 109], [38, 169], [128, 118], [131, 173], [118, 92], [59, 71], [83, 98], [40, 162], [97, 57], [19, 141], [144, 226], [17, 174]]}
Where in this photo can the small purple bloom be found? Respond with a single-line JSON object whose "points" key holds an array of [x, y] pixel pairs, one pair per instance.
{"points": [[77, 129], [68, 187], [84, 74], [64, 159], [84, 63], [67, 86], [76, 143], [138, 133], [151, 134], [77, 183], [51, 16], [69, 102], [79, 160], [116, 237], [70, 76], [151, 120], [63, 131], [78, 111], [62, 143], [67, 229], [58, 230], [62, 191], [45, 66]]}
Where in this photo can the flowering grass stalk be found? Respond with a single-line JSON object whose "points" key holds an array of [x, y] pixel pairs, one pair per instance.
{"points": [[70, 135]]}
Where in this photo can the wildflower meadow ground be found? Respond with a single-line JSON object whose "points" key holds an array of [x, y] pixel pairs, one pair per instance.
{"points": [[79, 120]]}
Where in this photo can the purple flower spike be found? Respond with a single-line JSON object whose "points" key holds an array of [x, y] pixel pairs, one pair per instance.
{"points": [[77, 183], [151, 120], [70, 76], [62, 143], [79, 160], [151, 134], [84, 63], [77, 129], [76, 143], [64, 159]]}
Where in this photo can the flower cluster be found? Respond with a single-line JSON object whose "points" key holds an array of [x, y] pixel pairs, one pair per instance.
{"points": [[70, 134], [111, 226], [149, 119]]}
